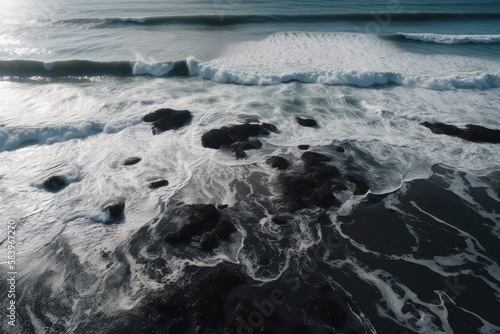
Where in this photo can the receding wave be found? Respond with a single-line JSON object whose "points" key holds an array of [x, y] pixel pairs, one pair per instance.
{"points": [[452, 39], [30, 68], [253, 19], [18, 137]]}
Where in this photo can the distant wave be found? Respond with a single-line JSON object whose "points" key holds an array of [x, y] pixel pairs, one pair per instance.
{"points": [[453, 39], [29, 68], [252, 19]]}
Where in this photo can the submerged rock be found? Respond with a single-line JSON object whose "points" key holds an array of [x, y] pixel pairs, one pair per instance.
{"points": [[240, 146], [361, 188], [201, 219], [168, 119], [303, 147], [471, 132], [55, 183], [131, 161], [222, 231], [279, 221], [277, 162], [115, 210], [306, 121], [158, 184], [312, 185]]}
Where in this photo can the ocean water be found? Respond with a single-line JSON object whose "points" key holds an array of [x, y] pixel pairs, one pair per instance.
{"points": [[419, 253]]}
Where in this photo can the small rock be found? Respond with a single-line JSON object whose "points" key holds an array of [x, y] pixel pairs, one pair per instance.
{"points": [[115, 210], [222, 206], [471, 132], [303, 147], [55, 183], [277, 162], [306, 122], [340, 149], [131, 161], [239, 153], [168, 119], [158, 184], [270, 127]]}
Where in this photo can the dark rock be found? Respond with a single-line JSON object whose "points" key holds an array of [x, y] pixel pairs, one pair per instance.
{"points": [[216, 138], [222, 206], [158, 184], [115, 210], [306, 121], [279, 221], [337, 186], [312, 186], [227, 135], [55, 183], [471, 132], [168, 119], [326, 310], [131, 161], [201, 220], [316, 168], [198, 217], [296, 189], [238, 147], [303, 147], [222, 231], [323, 196], [313, 158], [340, 149], [361, 187], [264, 262], [270, 127], [277, 162], [239, 153]]}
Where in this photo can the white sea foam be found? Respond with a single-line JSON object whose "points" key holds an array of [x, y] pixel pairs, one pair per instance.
{"points": [[155, 69], [453, 39], [14, 138], [342, 59], [134, 19]]}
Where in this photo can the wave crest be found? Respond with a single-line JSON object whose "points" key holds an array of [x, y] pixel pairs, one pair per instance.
{"points": [[453, 39]]}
